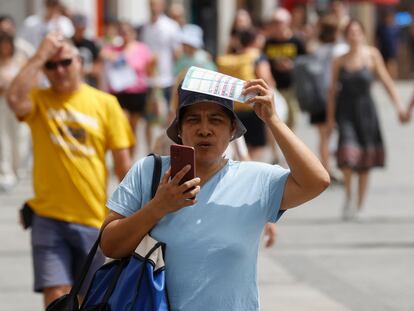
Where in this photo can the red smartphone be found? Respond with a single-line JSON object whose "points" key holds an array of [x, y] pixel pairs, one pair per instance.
{"points": [[181, 156]]}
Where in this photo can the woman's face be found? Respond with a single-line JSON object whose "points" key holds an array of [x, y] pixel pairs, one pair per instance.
{"points": [[6, 49], [127, 32], [355, 34], [298, 16], [206, 127], [242, 20]]}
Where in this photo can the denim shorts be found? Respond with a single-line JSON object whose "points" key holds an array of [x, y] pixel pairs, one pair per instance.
{"points": [[59, 250]]}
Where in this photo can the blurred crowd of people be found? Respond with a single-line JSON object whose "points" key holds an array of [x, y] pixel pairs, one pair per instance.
{"points": [[142, 66], [50, 73]]}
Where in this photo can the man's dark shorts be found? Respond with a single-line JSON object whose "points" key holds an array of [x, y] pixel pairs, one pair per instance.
{"points": [[59, 250]]}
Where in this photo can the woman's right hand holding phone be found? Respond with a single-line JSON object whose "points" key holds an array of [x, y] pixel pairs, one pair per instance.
{"points": [[171, 196]]}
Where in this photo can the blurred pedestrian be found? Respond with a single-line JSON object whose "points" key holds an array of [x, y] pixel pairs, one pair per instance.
{"points": [[242, 22], [8, 25], [243, 65], [191, 38], [12, 135], [162, 35], [409, 110], [388, 40], [138, 58], [339, 9], [193, 54], [176, 12], [329, 48], [88, 50], [35, 27], [192, 42], [111, 33], [281, 49], [212, 223], [72, 125], [351, 106], [301, 26]]}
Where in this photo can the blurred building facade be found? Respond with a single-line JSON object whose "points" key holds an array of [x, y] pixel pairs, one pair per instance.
{"points": [[214, 16]]}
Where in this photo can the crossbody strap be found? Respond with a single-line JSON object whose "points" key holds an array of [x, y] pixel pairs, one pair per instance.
{"points": [[156, 176]]}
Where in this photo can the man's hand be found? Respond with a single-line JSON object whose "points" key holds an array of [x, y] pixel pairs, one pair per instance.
{"points": [[269, 235], [49, 46]]}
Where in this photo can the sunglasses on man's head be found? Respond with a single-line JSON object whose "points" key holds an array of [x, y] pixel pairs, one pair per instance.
{"points": [[49, 65]]}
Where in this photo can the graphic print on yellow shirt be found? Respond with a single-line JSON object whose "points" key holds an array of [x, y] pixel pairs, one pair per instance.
{"points": [[71, 134], [285, 50], [281, 55]]}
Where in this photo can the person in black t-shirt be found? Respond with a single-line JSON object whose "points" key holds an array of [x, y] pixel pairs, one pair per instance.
{"points": [[281, 49], [88, 50]]}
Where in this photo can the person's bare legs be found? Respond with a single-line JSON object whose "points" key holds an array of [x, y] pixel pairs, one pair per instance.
{"points": [[149, 134], [392, 68], [134, 119], [347, 208], [347, 173], [52, 293], [362, 188], [323, 131]]}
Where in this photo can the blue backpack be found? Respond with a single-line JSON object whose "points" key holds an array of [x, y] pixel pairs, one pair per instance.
{"points": [[135, 283]]}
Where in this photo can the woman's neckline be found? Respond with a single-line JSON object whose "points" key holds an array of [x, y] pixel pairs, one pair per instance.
{"points": [[354, 70], [210, 177]]}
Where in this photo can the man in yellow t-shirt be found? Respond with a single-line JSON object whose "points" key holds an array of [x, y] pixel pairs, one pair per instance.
{"points": [[72, 125]]}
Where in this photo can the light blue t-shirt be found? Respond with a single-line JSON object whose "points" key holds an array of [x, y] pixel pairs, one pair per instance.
{"points": [[212, 246]]}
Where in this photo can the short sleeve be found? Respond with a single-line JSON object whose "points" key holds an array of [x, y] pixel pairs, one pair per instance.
{"points": [[118, 132], [127, 197], [275, 183]]}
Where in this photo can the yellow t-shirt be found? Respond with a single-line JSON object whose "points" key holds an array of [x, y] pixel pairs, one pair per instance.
{"points": [[241, 66], [71, 134]]}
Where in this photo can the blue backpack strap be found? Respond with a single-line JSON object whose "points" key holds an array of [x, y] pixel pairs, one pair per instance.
{"points": [[156, 176]]}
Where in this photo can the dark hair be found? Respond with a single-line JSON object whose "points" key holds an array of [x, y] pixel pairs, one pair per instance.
{"points": [[247, 37], [6, 37], [349, 25], [337, 1], [328, 29], [6, 18], [52, 3]]}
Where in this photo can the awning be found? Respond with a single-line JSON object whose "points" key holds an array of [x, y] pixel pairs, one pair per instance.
{"points": [[386, 2], [290, 4], [380, 2]]}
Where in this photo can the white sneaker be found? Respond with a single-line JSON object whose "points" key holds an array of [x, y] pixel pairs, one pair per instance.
{"points": [[346, 211], [358, 214]]}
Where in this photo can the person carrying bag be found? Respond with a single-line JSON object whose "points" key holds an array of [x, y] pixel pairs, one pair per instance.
{"points": [[132, 283]]}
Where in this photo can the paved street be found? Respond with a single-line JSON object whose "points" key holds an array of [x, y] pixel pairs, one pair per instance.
{"points": [[319, 262]]}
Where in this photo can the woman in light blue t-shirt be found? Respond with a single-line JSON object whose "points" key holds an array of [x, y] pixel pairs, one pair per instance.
{"points": [[213, 231]]}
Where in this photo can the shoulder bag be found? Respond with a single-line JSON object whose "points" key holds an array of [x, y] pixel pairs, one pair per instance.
{"points": [[133, 283]]}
